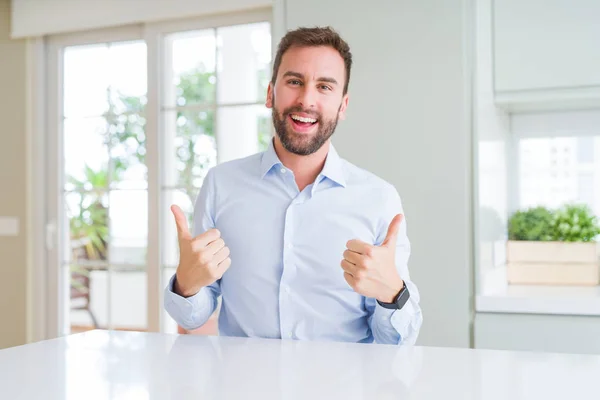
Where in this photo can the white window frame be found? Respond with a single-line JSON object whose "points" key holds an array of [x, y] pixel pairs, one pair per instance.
{"points": [[547, 124], [46, 307]]}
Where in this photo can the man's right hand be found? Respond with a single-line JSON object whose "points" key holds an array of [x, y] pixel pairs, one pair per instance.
{"points": [[202, 259]]}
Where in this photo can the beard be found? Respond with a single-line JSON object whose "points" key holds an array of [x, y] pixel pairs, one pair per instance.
{"points": [[302, 144]]}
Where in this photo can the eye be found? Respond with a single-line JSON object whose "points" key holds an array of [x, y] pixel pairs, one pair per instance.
{"points": [[325, 87], [294, 82]]}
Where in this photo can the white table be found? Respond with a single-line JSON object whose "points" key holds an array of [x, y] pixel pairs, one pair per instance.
{"points": [[131, 365]]}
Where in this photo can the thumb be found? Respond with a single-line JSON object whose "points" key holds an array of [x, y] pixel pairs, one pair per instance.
{"points": [[183, 232], [392, 233]]}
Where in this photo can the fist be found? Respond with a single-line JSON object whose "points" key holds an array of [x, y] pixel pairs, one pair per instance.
{"points": [[371, 270], [202, 259]]}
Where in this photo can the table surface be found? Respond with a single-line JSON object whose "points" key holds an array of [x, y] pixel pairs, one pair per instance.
{"points": [[134, 365]]}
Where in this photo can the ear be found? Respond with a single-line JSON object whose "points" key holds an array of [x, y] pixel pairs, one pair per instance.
{"points": [[343, 107], [269, 101]]}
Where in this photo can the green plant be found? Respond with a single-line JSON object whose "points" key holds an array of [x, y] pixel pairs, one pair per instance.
{"points": [[89, 224], [530, 224], [574, 223], [570, 223]]}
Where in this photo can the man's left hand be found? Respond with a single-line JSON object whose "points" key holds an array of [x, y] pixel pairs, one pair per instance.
{"points": [[371, 270]]}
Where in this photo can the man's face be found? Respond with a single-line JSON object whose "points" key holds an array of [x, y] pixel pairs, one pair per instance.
{"points": [[307, 98]]}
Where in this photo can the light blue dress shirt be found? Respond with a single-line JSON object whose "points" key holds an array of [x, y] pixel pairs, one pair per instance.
{"points": [[285, 279]]}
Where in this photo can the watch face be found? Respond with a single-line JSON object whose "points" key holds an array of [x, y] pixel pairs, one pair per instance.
{"points": [[402, 297]]}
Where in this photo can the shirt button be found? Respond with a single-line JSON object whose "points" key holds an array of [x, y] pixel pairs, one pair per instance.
{"points": [[283, 170], [287, 289], [291, 335]]}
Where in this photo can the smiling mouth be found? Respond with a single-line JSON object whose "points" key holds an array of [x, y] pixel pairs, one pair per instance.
{"points": [[303, 124]]}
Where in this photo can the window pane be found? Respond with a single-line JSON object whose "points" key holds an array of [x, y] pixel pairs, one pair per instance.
{"points": [[244, 62], [190, 148], [128, 213], [190, 74], [103, 298], [127, 75], [86, 80], [85, 153], [127, 141], [87, 215], [242, 131], [104, 147], [87, 297], [557, 171], [585, 149], [585, 187], [548, 171], [128, 299]]}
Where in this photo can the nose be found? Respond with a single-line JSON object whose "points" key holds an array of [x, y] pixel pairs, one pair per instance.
{"points": [[307, 97]]}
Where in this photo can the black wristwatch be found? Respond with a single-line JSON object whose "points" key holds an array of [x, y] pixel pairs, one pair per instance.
{"points": [[399, 301]]}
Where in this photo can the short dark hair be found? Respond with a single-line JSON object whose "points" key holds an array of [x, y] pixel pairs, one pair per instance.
{"points": [[312, 37]]}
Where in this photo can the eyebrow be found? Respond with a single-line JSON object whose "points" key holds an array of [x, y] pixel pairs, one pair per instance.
{"points": [[321, 79]]}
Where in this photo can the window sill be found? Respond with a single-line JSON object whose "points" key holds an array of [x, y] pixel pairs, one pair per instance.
{"points": [[496, 296]]}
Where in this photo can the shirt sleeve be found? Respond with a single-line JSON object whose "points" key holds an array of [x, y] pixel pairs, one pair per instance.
{"points": [[396, 326], [193, 312]]}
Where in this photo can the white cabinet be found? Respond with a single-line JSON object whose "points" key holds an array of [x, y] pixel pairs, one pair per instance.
{"points": [[547, 51], [536, 332]]}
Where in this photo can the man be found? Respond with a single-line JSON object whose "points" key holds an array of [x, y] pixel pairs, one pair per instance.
{"points": [[298, 242]]}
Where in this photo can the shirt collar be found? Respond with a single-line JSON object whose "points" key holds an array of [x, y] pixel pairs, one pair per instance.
{"points": [[269, 160], [333, 168]]}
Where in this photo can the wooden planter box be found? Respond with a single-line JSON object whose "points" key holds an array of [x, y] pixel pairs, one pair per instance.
{"points": [[553, 263]]}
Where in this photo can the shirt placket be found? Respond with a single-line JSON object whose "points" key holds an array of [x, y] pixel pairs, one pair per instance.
{"points": [[286, 304]]}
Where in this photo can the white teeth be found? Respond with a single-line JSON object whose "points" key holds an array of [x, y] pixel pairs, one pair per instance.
{"points": [[302, 119]]}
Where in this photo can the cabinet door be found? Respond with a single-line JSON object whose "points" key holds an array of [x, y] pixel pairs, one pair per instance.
{"points": [[550, 333], [546, 45]]}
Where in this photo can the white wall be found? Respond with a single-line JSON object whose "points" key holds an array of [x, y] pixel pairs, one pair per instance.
{"points": [[408, 123], [13, 184], [41, 17]]}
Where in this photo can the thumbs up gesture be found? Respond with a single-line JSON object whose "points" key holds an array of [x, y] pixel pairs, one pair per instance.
{"points": [[202, 259], [371, 270]]}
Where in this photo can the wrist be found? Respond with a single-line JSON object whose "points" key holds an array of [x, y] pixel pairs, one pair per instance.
{"points": [[390, 295], [182, 291]]}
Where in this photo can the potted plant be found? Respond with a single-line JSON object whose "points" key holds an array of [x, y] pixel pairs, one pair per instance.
{"points": [[553, 247]]}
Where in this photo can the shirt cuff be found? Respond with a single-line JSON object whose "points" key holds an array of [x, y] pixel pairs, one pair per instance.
{"points": [[402, 320], [189, 309]]}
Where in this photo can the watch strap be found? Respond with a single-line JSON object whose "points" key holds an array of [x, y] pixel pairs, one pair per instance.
{"points": [[399, 301]]}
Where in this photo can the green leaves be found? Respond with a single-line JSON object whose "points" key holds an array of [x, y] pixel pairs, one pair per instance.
{"points": [[570, 223], [575, 223], [531, 224]]}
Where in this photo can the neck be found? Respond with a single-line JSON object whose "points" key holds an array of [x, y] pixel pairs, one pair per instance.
{"points": [[305, 168]]}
